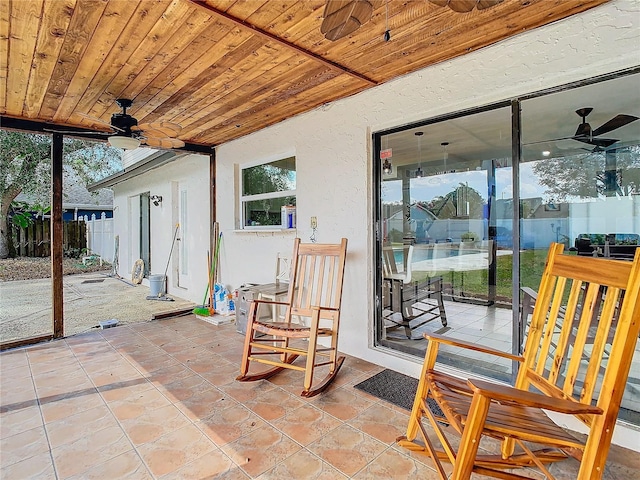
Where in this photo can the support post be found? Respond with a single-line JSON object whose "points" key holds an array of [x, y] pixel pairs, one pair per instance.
{"points": [[56, 235]]}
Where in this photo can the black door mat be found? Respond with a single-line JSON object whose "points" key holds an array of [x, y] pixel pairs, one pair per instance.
{"points": [[395, 388]]}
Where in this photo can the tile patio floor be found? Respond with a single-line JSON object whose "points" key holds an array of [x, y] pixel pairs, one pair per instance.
{"points": [[159, 400]]}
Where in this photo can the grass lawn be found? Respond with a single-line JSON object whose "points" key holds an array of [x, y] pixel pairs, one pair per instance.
{"points": [[474, 282]]}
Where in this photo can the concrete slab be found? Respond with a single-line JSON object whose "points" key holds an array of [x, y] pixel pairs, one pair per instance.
{"points": [[89, 298]]}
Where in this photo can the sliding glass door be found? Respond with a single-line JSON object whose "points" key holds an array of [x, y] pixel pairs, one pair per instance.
{"points": [[446, 214], [468, 204], [580, 183]]}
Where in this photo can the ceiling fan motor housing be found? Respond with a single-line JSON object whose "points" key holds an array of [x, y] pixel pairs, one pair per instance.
{"points": [[124, 122]]}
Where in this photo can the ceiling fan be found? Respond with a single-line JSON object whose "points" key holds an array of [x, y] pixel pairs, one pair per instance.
{"points": [[127, 134], [343, 17], [585, 134], [463, 6]]}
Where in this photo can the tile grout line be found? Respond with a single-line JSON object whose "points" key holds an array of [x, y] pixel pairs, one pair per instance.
{"points": [[44, 427]]}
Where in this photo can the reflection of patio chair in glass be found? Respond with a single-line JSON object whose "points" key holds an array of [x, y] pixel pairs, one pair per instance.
{"points": [[411, 298]]}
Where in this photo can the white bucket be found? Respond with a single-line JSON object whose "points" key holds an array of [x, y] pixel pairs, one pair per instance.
{"points": [[156, 285]]}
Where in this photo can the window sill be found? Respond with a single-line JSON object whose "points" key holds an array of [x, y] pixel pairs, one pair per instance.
{"points": [[266, 230]]}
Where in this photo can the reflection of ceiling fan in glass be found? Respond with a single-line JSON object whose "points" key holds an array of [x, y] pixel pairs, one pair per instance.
{"points": [[127, 134], [585, 134]]}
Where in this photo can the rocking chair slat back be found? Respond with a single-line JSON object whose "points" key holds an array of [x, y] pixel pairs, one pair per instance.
{"points": [[573, 318], [317, 281], [580, 343], [587, 316]]}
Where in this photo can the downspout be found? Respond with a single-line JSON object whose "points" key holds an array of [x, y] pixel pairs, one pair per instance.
{"points": [[212, 199]]}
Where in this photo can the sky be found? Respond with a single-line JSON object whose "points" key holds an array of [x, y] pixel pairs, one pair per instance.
{"points": [[427, 188]]}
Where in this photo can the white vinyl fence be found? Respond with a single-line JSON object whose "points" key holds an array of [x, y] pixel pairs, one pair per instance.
{"points": [[100, 236]]}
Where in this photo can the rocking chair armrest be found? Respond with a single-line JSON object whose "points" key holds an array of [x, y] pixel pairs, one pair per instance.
{"points": [[513, 396], [320, 307], [269, 302], [470, 346]]}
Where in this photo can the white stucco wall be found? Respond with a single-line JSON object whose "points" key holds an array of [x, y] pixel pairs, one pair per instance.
{"points": [[193, 171], [332, 147]]}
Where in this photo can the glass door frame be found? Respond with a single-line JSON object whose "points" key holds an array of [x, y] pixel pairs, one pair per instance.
{"points": [[516, 155]]}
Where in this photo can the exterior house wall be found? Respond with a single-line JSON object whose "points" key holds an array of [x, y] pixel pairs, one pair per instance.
{"points": [[131, 157], [332, 146], [192, 170]]}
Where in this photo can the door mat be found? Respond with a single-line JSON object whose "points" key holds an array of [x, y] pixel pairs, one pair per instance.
{"points": [[395, 388]]}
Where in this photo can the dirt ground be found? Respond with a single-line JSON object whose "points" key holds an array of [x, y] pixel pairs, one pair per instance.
{"points": [[91, 295], [31, 268]]}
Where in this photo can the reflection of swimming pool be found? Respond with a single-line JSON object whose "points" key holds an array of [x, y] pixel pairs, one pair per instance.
{"points": [[421, 254]]}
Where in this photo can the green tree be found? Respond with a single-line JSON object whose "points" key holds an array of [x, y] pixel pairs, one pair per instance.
{"points": [[589, 175], [454, 203], [25, 166]]}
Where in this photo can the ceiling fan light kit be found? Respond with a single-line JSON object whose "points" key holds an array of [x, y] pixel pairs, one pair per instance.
{"points": [[126, 143]]}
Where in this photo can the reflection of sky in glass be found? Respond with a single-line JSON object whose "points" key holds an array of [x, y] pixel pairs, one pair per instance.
{"points": [[427, 188]]}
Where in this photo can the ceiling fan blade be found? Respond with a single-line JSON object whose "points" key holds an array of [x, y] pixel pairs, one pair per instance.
{"points": [[600, 142], [483, 4], [168, 129], [152, 133], [616, 122], [99, 121], [344, 17], [548, 141], [462, 6], [94, 119], [583, 130], [69, 132], [165, 142], [176, 143], [440, 3]]}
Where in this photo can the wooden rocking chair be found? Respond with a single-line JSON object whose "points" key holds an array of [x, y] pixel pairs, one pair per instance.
{"points": [[312, 310], [562, 361]]}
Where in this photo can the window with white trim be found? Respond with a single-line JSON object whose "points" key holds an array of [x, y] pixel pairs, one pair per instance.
{"points": [[265, 189]]}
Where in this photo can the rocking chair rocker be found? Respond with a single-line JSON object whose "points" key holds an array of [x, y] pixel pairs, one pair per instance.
{"points": [[572, 370], [312, 310]]}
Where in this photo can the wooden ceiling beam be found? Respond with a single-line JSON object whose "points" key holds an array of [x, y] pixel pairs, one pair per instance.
{"points": [[31, 126], [273, 38]]}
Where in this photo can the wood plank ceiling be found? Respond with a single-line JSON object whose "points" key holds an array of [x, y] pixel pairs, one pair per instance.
{"points": [[225, 68]]}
